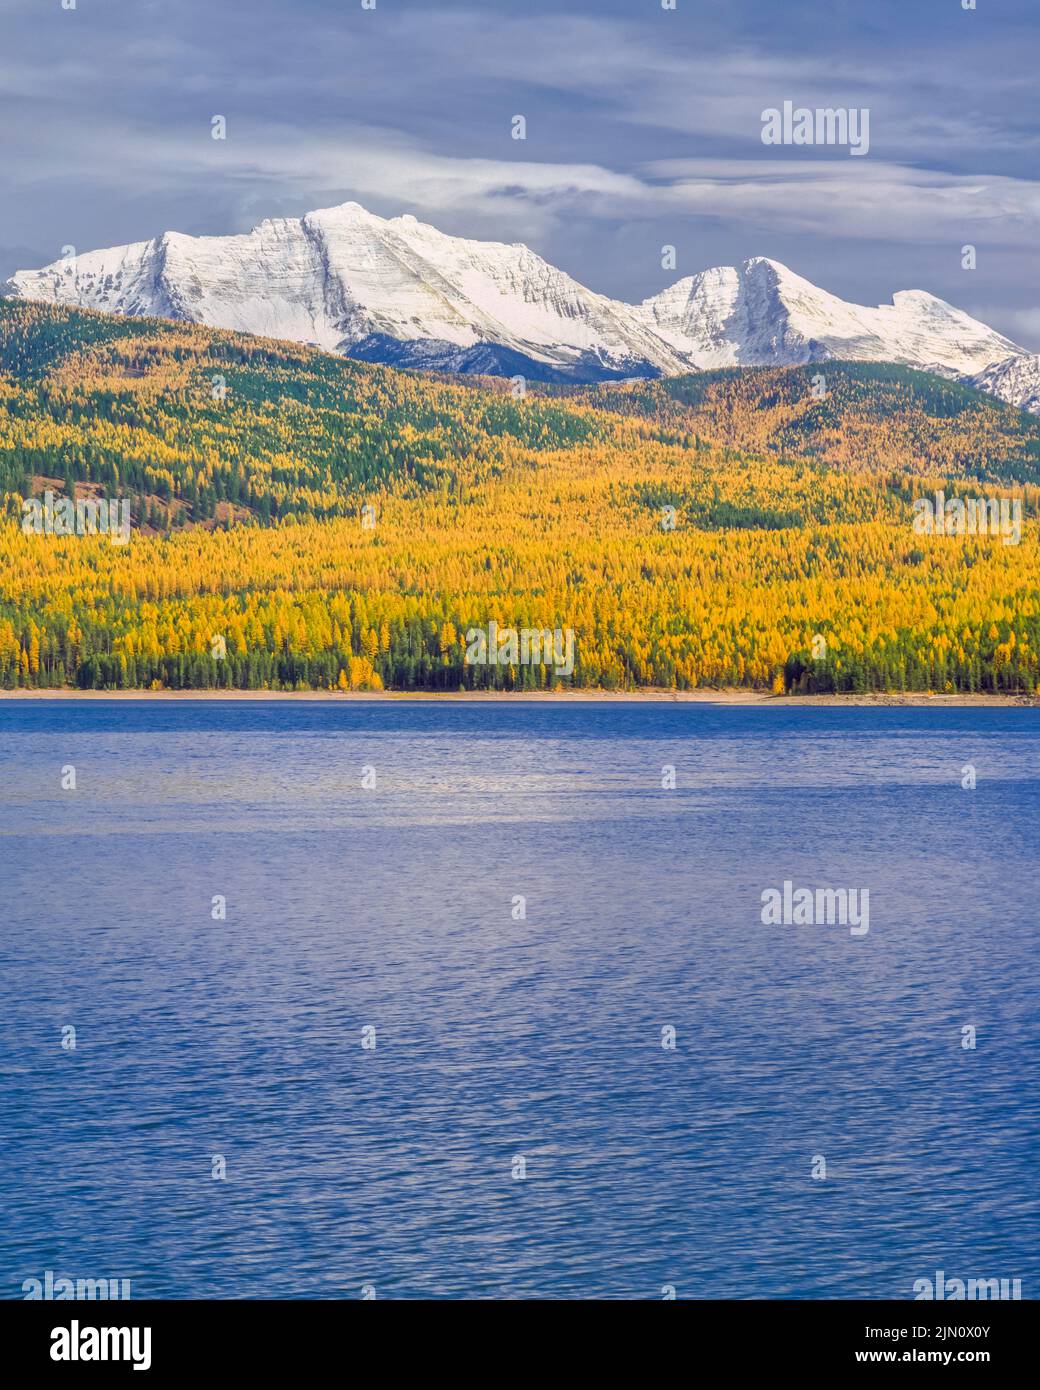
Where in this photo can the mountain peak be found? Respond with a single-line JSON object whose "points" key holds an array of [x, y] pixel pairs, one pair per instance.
{"points": [[347, 209], [753, 262], [918, 297]]}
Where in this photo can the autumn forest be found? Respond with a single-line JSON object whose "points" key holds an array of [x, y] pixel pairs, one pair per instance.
{"points": [[305, 522]]}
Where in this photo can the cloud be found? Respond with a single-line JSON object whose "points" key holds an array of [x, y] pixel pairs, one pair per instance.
{"points": [[270, 166], [861, 201], [643, 126]]}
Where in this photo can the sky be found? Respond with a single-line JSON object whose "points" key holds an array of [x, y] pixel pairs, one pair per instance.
{"points": [[643, 130]]}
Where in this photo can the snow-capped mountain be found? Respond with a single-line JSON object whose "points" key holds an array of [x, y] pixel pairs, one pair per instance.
{"points": [[1016, 380], [761, 313], [396, 290], [383, 289]]}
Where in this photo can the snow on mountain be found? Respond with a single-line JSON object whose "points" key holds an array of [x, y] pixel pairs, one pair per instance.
{"points": [[354, 283], [1016, 380], [762, 313], [396, 290]]}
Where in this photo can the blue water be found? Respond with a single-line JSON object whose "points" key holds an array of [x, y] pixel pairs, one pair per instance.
{"points": [[499, 1038]]}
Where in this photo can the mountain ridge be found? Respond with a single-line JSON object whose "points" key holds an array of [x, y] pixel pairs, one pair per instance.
{"points": [[401, 292]]}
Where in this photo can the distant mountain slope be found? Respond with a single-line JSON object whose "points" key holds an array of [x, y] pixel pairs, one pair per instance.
{"points": [[1016, 380], [399, 291], [873, 417]]}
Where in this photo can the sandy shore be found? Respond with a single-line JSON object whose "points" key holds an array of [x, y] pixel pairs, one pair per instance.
{"points": [[709, 697]]}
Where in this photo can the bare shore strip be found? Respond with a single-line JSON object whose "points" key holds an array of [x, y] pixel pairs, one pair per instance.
{"points": [[606, 697]]}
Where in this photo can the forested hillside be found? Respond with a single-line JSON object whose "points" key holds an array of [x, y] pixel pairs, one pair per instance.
{"points": [[301, 521], [856, 416], [189, 422]]}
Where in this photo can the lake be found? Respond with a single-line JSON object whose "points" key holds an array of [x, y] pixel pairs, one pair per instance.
{"points": [[596, 1071]]}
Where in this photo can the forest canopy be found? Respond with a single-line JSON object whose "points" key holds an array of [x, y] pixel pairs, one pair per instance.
{"points": [[300, 521]]}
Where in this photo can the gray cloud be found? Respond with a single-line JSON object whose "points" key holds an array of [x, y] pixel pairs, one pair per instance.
{"points": [[643, 128]]}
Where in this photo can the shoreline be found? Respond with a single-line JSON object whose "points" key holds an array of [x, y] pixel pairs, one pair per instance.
{"points": [[709, 697]]}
